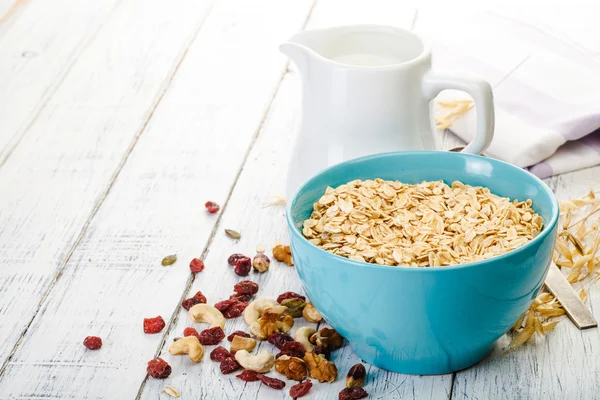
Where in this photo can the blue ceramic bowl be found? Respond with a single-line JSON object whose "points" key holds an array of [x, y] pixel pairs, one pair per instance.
{"points": [[431, 320]]}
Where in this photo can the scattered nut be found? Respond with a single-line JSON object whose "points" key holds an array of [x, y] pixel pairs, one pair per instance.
{"points": [[232, 234], [328, 338], [188, 345], [207, 314], [262, 362], [292, 367], [284, 254], [242, 343], [356, 376], [261, 262], [294, 307], [169, 260], [255, 309], [311, 314], [273, 320], [303, 335], [320, 368], [260, 248]]}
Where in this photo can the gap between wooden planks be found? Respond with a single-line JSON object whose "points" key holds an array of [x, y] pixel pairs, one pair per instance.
{"points": [[39, 49], [64, 165], [160, 179]]}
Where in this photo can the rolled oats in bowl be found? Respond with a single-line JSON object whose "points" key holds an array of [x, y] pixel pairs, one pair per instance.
{"points": [[425, 224]]}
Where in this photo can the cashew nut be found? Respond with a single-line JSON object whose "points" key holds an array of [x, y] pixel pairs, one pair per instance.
{"points": [[242, 343], [209, 314], [188, 345], [303, 335], [262, 362], [255, 309]]}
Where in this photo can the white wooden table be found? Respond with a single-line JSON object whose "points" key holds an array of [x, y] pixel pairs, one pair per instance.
{"points": [[118, 120]]}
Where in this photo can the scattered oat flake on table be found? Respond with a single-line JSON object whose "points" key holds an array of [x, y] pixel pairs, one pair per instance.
{"points": [[279, 201], [575, 252], [232, 234], [171, 391], [169, 260]]}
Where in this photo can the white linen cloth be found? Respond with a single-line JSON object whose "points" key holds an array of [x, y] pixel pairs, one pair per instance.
{"points": [[546, 87]]}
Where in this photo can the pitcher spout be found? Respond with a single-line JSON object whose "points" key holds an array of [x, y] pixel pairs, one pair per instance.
{"points": [[300, 48]]}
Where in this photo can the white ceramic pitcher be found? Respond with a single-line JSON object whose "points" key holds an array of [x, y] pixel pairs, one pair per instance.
{"points": [[367, 89]]}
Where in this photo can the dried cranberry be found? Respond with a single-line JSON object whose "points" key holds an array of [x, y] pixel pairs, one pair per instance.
{"points": [[289, 295], [92, 342], [242, 266], [211, 336], [191, 332], [271, 382], [196, 265], [322, 350], [229, 365], [246, 287], [353, 393], [279, 339], [158, 368], [244, 298], [248, 376], [237, 333], [192, 301], [154, 325], [220, 353], [292, 349], [231, 308], [300, 389], [234, 257], [212, 207]]}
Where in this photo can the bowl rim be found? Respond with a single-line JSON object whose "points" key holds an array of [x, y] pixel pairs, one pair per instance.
{"points": [[550, 227]]}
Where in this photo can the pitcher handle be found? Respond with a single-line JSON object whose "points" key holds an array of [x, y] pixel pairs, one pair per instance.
{"points": [[479, 90]]}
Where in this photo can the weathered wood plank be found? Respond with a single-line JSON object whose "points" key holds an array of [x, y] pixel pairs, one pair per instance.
{"points": [[191, 151], [64, 165], [37, 50]]}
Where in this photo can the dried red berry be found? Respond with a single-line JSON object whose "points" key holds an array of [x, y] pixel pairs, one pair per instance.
{"points": [[220, 353], [353, 393], [271, 382], [243, 266], [238, 333], [234, 257], [289, 295], [154, 325], [196, 265], [211, 336], [231, 308], [300, 389], [322, 350], [192, 301], [248, 376], [212, 207], [92, 342], [292, 349], [246, 287], [229, 365], [244, 298], [279, 339], [158, 368], [191, 332]]}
